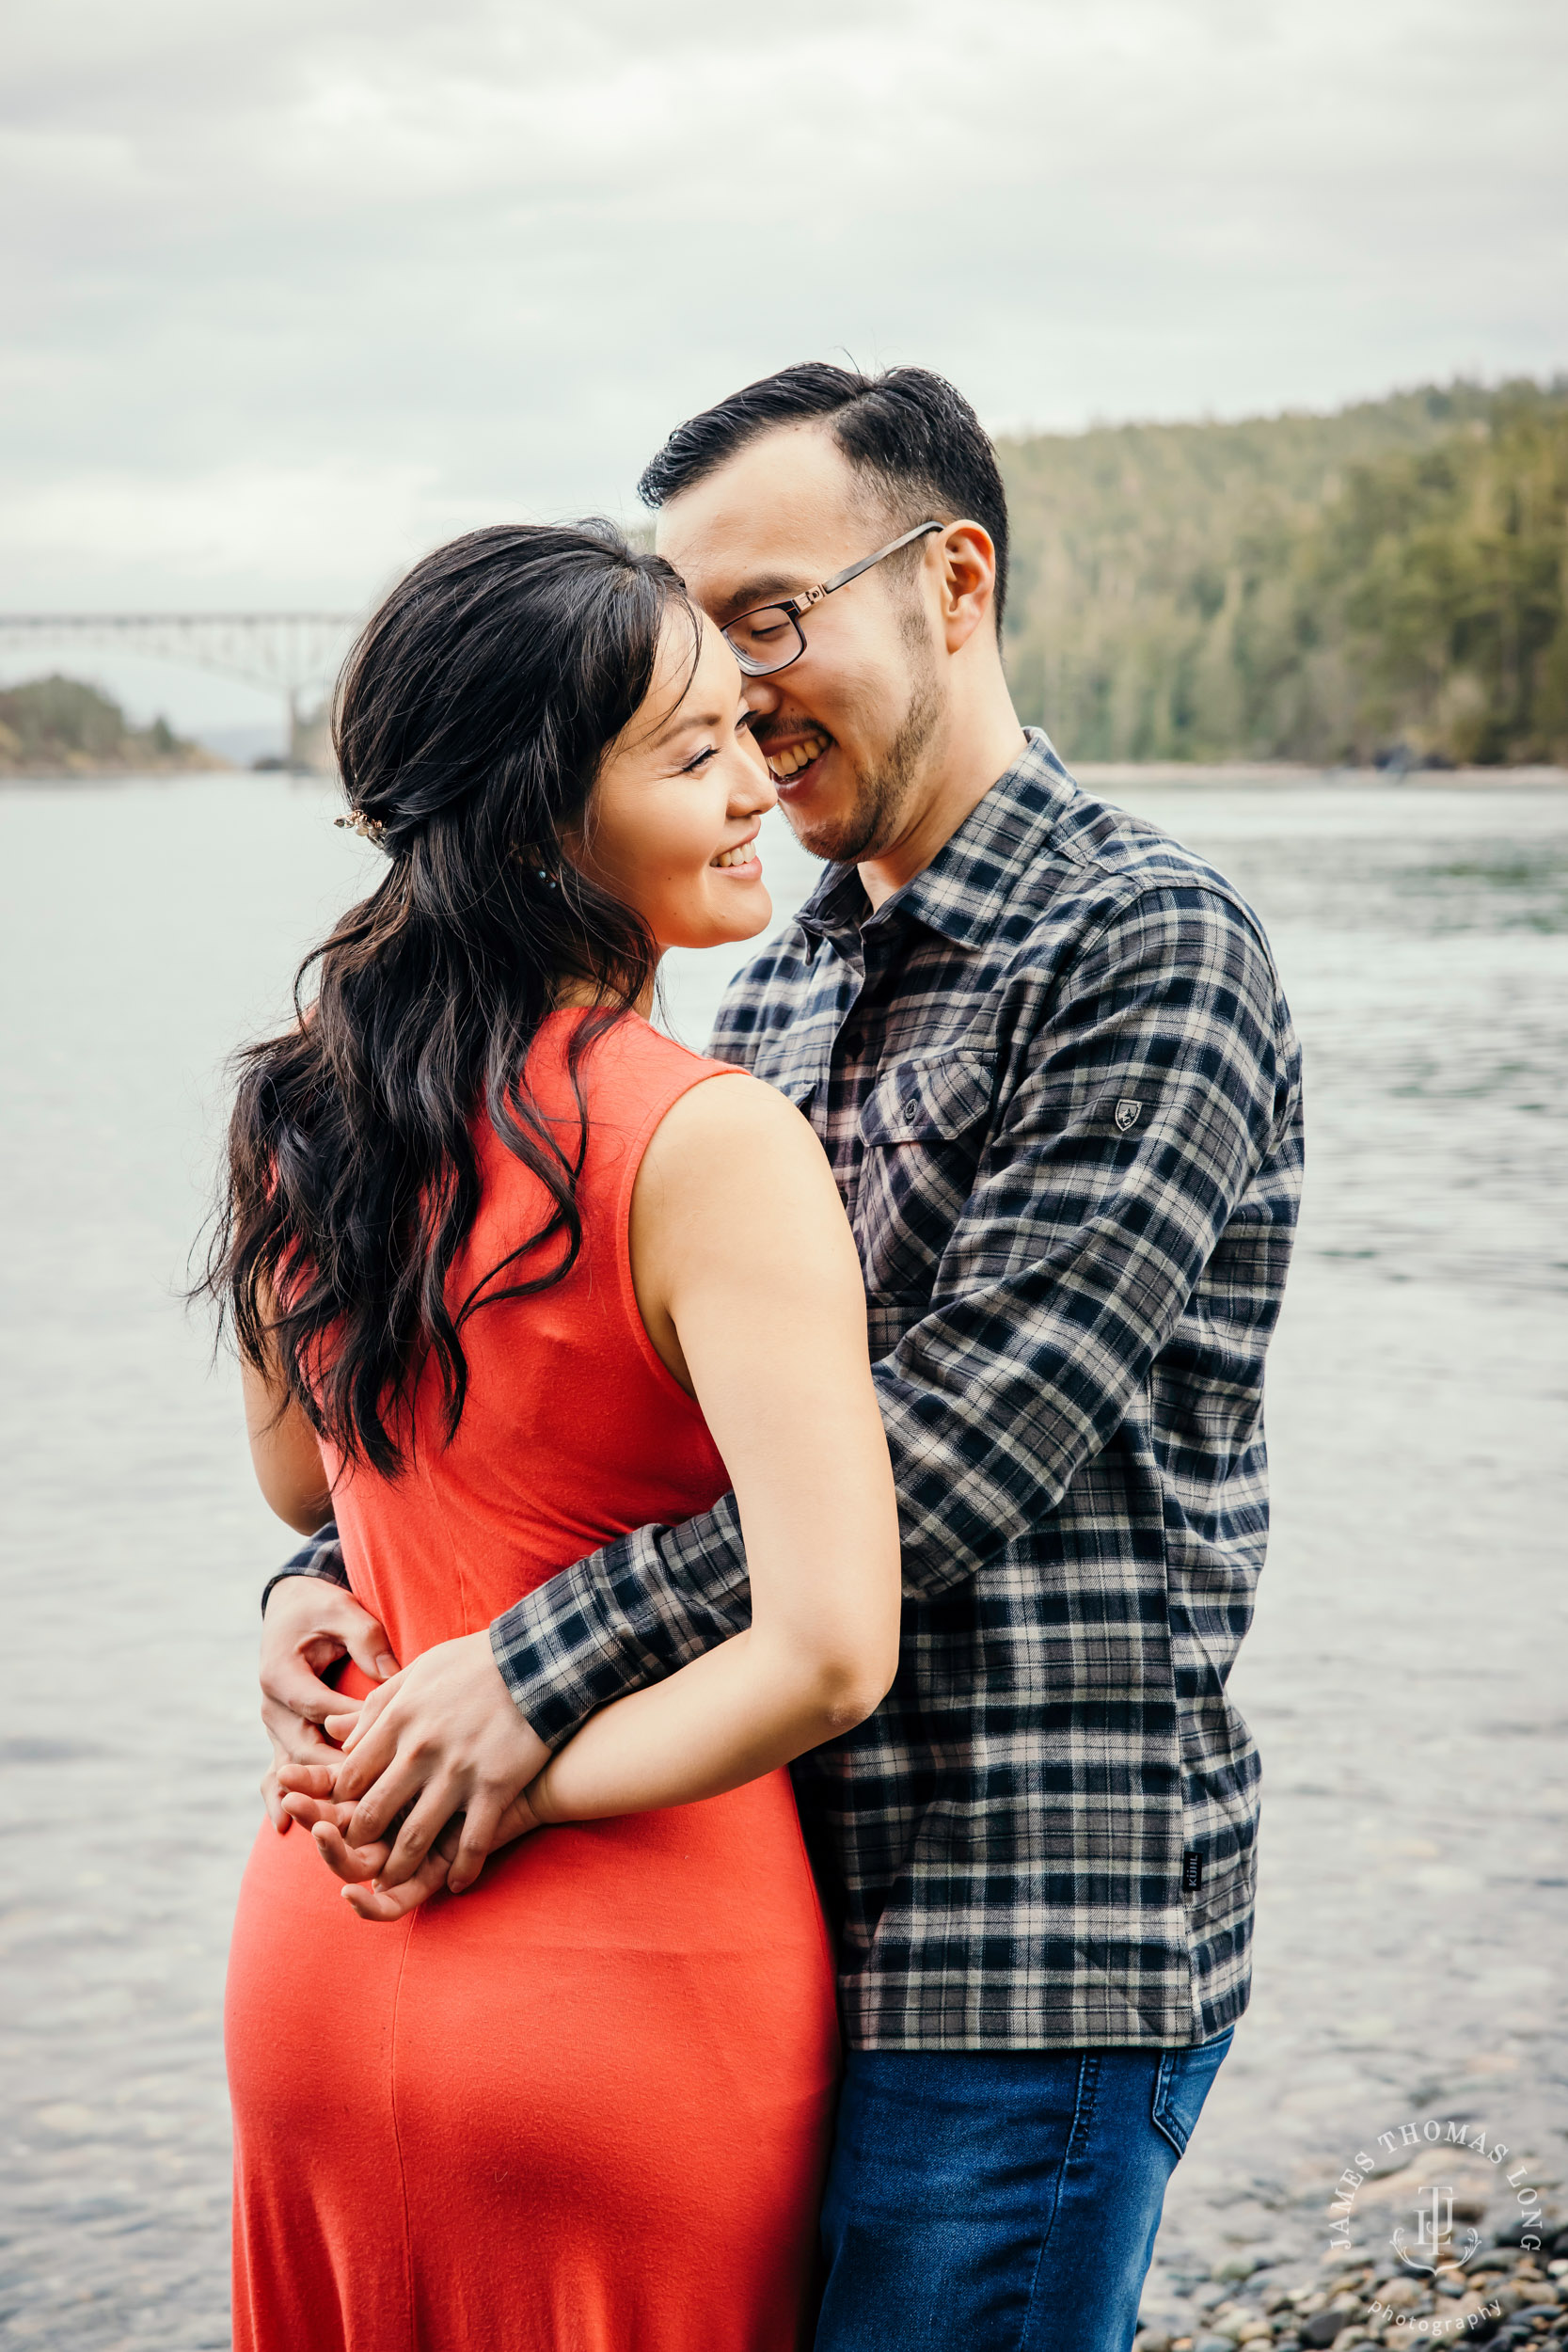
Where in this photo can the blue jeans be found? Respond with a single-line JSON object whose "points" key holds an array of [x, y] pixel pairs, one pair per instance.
{"points": [[1003, 2202]]}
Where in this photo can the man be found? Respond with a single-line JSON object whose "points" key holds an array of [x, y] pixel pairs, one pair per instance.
{"points": [[1047, 1054]]}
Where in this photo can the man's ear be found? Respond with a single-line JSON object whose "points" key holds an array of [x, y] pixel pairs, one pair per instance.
{"points": [[968, 582]]}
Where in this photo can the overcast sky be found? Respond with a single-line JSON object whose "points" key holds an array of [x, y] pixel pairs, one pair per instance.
{"points": [[301, 288]]}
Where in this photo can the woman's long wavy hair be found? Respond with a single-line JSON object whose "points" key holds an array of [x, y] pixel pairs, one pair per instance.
{"points": [[471, 720]]}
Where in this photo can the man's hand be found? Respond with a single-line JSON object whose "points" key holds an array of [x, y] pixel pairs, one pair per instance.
{"points": [[442, 1737], [309, 1624]]}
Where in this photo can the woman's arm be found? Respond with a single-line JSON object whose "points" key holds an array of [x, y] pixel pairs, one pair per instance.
{"points": [[751, 1288], [285, 1454], [283, 1448]]}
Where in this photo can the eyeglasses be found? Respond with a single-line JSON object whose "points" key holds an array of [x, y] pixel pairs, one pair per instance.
{"points": [[770, 638]]}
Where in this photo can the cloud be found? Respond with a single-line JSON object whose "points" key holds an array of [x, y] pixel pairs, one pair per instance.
{"points": [[232, 534], [301, 289]]}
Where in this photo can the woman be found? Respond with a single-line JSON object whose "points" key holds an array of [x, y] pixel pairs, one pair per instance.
{"points": [[512, 1274]]}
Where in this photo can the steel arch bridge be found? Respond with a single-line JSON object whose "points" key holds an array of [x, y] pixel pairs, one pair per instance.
{"points": [[296, 654]]}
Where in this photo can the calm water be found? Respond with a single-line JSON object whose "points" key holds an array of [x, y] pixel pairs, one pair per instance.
{"points": [[1404, 1676]]}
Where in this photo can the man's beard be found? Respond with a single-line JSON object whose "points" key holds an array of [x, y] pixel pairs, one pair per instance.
{"points": [[870, 827]]}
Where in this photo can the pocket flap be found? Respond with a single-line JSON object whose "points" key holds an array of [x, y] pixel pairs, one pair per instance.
{"points": [[926, 1098]]}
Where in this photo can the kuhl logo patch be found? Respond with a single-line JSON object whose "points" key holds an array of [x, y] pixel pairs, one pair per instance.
{"points": [[1127, 1114]]}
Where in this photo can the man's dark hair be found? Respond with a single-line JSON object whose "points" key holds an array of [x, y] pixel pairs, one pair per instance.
{"points": [[911, 433]]}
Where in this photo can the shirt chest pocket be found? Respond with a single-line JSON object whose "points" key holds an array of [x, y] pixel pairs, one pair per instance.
{"points": [[921, 1130]]}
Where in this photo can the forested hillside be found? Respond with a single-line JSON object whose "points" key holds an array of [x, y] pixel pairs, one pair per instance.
{"points": [[57, 726], [1317, 588]]}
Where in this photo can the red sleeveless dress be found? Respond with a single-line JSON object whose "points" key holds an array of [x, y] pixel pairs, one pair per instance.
{"points": [[585, 2106]]}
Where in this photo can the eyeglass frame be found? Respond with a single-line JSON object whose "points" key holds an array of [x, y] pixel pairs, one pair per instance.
{"points": [[793, 607]]}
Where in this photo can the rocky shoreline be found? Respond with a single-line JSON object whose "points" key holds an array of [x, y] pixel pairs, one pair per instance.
{"points": [[1507, 2295]]}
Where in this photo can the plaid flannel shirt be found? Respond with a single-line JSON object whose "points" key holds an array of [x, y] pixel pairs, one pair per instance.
{"points": [[1058, 1086]]}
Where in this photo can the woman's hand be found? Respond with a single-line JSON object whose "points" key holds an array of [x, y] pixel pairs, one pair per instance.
{"points": [[360, 1866], [441, 1739], [309, 1625]]}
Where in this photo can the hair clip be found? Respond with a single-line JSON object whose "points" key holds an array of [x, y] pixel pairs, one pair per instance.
{"points": [[368, 828]]}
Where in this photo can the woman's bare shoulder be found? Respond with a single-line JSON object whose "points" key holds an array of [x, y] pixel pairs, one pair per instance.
{"points": [[734, 1147], [731, 1109]]}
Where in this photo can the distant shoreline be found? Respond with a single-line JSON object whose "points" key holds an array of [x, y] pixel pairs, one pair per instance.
{"points": [[1096, 775], [1261, 773], [211, 766], [118, 771], [54, 729]]}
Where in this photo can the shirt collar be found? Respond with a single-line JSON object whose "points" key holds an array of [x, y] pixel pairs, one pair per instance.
{"points": [[966, 888]]}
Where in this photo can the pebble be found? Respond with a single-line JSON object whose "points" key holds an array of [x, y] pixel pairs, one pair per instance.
{"points": [[1530, 2302]]}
